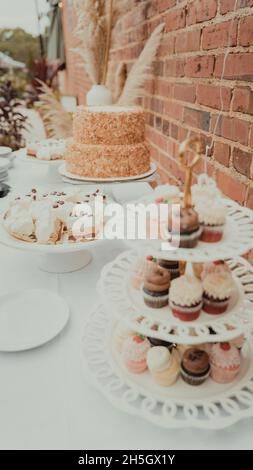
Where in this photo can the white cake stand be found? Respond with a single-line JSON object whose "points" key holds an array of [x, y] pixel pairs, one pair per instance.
{"points": [[52, 165], [208, 406], [61, 258], [126, 303], [236, 241]]}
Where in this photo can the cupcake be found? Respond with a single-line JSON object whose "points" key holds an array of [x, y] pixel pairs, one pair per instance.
{"points": [[134, 353], [225, 362], [195, 367], [218, 288], [185, 298], [163, 366], [201, 270], [172, 266], [238, 342], [205, 190], [212, 217], [140, 267], [184, 229], [121, 334], [159, 342], [156, 287]]}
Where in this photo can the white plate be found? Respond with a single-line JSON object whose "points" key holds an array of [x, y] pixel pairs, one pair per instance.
{"points": [[4, 165], [208, 406], [3, 176], [30, 318], [67, 174], [5, 151]]}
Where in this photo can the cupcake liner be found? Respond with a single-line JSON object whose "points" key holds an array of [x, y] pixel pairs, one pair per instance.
{"points": [[156, 299], [188, 240], [212, 233], [185, 313], [214, 307], [193, 379], [222, 375]]}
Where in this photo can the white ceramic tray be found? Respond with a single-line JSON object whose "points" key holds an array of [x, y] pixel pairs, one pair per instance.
{"points": [[208, 406], [127, 303], [63, 172], [30, 318], [237, 239]]}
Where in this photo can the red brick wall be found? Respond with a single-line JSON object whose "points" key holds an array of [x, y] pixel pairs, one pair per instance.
{"points": [[183, 95]]}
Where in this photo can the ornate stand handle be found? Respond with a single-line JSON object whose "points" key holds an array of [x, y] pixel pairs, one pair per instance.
{"points": [[188, 166]]}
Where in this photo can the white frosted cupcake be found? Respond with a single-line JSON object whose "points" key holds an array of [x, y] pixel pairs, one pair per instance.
{"points": [[205, 190], [163, 366], [218, 288], [185, 298], [212, 217]]}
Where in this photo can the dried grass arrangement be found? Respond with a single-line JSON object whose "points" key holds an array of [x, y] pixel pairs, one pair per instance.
{"points": [[96, 20], [57, 121]]}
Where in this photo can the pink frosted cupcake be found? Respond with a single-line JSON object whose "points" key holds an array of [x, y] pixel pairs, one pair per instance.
{"points": [[212, 218], [185, 298], [225, 362], [135, 350], [218, 288], [138, 271]]}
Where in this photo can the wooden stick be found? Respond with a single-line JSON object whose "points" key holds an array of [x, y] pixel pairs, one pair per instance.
{"points": [[108, 43]]}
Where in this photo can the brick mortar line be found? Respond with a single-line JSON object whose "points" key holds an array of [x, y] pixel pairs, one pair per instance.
{"points": [[231, 171], [200, 107], [213, 81], [218, 19], [220, 139]]}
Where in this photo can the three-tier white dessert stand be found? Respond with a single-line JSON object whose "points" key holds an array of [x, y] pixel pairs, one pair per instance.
{"points": [[209, 406]]}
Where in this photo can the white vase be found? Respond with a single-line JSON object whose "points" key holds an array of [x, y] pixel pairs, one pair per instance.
{"points": [[99, 95]]}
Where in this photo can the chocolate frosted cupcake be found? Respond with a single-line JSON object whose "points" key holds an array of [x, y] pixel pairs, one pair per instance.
{"points": [[156, 287], [195, 367], [185, 229], [172, 266]]}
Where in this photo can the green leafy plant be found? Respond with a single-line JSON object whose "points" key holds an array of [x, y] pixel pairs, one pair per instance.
{"points": [[12, 121]]}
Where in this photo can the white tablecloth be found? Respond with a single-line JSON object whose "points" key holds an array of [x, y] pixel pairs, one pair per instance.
{"points": [[45, 401]]}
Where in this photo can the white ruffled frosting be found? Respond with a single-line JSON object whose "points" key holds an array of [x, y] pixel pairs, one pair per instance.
{"points": [[135, 351], [185, 291], [20, 224], [219, 285], [44, 211], [225, 358], [158, 358], [205, 189], [212, 212], [45, 226]]}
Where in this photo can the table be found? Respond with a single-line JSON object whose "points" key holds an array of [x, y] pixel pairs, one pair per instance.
{"points": [[45, 401]]}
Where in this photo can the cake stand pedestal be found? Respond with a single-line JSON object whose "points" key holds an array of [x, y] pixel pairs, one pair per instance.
{"points": [[64, 263], [52, 174], [62, 258]]}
